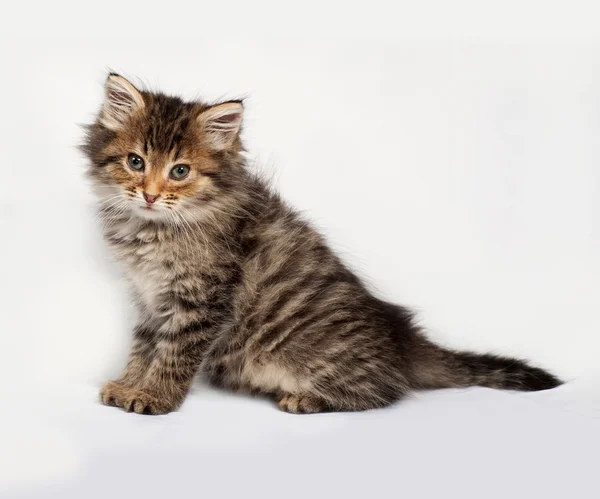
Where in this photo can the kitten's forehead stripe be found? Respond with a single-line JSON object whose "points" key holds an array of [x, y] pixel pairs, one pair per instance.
{"points": [[177, 152], [168, 119]]}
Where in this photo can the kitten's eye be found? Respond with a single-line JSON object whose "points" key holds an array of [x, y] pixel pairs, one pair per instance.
{"points": [[179, 172], [135, 162]]}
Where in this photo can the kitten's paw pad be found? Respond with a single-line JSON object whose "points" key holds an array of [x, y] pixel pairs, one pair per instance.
{"points": [[132, 400], [301, 404]]}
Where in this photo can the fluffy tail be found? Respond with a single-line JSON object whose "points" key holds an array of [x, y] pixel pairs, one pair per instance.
{"points": [[436, 367]]}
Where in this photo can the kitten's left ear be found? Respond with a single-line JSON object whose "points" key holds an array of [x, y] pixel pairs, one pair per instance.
{"points": [[221, 124], [121, 101]]}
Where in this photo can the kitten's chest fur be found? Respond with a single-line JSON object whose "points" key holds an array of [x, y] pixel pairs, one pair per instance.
{"points": [[169, 272]]}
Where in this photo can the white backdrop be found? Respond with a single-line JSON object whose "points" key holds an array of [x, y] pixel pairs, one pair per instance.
{"points": [[482, 156]]}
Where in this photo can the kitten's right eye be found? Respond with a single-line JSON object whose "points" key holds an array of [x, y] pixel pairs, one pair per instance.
{"points": [[135, 162]]}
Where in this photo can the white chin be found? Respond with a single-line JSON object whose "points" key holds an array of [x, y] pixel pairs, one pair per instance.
{"points": [[149, 214]]}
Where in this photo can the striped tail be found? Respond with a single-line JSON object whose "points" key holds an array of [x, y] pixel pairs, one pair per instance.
{"points": [[437, 367]]}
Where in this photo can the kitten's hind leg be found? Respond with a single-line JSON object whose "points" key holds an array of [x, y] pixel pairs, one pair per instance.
{"points": [[301, 404]]}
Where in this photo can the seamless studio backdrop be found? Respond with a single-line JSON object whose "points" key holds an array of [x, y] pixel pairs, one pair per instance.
{"points": [[459, 178]]}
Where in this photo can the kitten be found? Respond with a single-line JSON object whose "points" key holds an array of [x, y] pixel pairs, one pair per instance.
{"points": [[230, 281]]}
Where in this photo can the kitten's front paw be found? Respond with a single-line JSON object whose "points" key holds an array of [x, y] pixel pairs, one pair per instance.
{"points": [[133, 400]]}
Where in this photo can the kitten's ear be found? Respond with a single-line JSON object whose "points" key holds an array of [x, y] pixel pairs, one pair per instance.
{"points": [[122, 99], [221, 124]]}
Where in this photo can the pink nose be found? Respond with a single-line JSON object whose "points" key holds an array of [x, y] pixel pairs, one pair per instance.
{"points": [[150, 198]]}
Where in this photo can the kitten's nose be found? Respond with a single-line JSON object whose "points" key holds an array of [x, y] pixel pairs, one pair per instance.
{"points": [[150, 198]]}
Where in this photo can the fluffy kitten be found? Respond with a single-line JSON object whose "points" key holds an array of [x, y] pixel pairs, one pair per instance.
{"points": [[230, 281]]}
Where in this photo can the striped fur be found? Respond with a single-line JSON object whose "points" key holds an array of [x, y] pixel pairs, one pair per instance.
{"points": [[230, 281]]}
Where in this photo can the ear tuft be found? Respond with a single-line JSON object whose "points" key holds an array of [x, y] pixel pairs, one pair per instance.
{"points": [[221, 124], [122, 99]]}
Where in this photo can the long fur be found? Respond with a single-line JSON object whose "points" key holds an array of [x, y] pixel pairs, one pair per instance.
{"points": [[230, 281]]}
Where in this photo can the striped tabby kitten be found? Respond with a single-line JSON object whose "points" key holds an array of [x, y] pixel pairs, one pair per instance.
{"points": [[230, 281]]}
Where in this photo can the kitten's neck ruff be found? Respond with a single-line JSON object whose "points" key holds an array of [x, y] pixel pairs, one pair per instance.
{"points": [[209, 228]]}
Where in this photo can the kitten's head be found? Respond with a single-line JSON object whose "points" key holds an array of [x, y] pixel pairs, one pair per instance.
{"points": [[157, 157]]}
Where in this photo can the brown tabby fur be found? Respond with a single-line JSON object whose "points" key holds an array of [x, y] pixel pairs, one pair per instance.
{"points": [[232, 282]]}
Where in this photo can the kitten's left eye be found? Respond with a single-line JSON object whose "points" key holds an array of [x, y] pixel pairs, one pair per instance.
{"points": [[179, 172], [135, 162]]}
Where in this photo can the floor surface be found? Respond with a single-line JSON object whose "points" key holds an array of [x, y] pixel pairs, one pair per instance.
{"points": [[471, 443]]}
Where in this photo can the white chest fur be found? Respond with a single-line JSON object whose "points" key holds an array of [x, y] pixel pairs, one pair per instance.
{"points": [[144, 253]]}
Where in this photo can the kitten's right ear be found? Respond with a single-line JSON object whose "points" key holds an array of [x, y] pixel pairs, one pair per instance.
{"points": [[122, 99]]}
